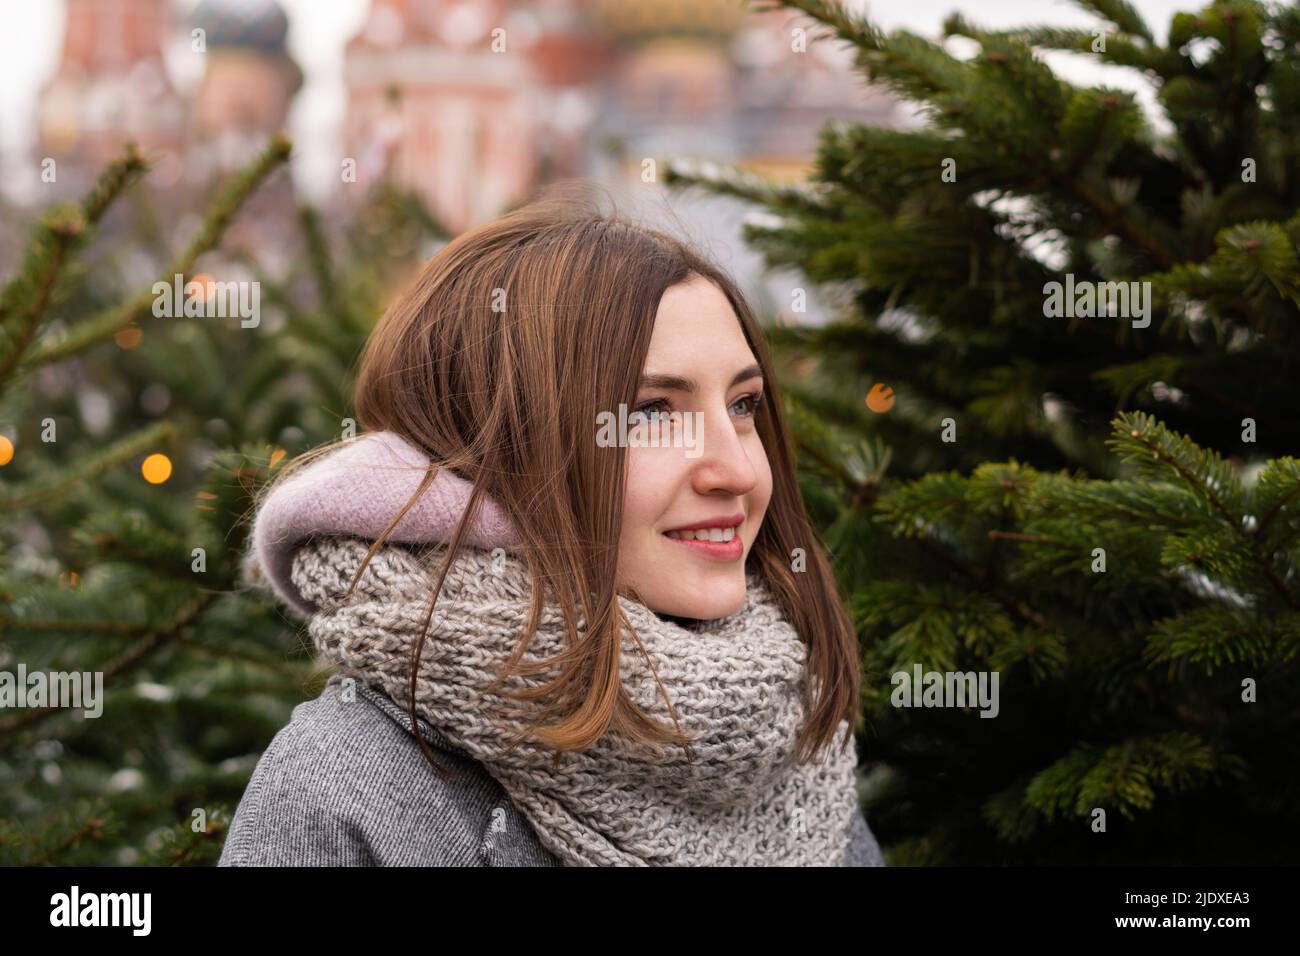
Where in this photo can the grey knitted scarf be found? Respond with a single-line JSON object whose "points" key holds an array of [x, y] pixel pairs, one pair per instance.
{"points": [[735, 684]]}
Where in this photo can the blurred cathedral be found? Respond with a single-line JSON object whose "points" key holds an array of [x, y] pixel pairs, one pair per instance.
{"points": [[471, 103], [112, 84], [475, 102]]}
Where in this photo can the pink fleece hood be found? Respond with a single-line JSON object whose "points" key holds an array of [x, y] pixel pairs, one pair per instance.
{"points": [[357, 490]]}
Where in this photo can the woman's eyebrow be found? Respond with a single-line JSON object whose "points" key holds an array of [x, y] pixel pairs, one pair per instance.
{"points": [[680, 383]]}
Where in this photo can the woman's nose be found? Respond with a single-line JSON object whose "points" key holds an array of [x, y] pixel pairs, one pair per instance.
{"points": [[723, 462]]}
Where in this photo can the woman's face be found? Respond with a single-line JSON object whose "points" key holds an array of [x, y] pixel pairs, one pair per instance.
{"points": [[706, 465]]}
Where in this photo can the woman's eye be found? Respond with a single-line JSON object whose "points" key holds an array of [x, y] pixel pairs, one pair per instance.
{"points": [[658, 410], [649, 412], [751, 403]]}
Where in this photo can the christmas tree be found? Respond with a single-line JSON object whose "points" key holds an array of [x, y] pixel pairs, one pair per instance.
{"points": [[1047, 436], [131, 446]]}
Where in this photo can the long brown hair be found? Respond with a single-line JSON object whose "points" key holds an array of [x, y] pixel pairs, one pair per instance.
{"points": [[495, 361]]}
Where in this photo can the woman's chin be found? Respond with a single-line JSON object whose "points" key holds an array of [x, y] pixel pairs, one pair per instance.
{"points": [[705, 604]]}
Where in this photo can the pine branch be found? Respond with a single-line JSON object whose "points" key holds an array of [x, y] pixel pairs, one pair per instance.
{"points": [[1122, 14], [113, 548], [1213, 636], [1126, 775], [1067, 176], [923, 502], [1285, 541], [1141, 439], [1120, 50], [1277, 488], [24, 301], [92, 828], [108, 323], [195, 841], [270, 661], [1206, 474], [1005, 812], [129, 659], [728, 180], [116, 177], [55, 239], [847, 26], [318, 257], [112, 183], [1114, 215], [1096, 125], [49, 488], [862, 491], [1021, 74], [909, 64], [1283, 471]]}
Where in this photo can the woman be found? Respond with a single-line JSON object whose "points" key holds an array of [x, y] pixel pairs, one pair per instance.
{"points": [[567, 559]]}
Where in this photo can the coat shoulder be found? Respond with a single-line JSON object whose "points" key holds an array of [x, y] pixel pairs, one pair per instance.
{"points": [[863, 849], [345, 783]]}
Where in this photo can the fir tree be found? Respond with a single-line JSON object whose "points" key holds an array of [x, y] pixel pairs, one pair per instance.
{"points": [[102, 571], [1099, 505]]}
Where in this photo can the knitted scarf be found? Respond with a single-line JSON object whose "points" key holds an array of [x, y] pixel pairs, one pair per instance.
{"points": [[735, 684]]}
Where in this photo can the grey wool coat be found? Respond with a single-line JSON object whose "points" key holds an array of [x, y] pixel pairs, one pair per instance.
{"points": [[344, 783]]}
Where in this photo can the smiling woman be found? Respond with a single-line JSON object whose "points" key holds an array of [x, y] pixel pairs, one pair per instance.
{"points": [[689, 523], [609, 653]]}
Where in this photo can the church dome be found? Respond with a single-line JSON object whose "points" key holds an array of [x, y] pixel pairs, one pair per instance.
{"points": [[645, 19], [251, 24]]}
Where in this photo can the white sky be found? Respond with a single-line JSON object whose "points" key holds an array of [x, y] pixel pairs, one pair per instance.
{"points": [[30, 44]]}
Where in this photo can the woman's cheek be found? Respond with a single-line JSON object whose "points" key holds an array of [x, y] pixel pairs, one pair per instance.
{"points": [[762, 493], [648, 492]]}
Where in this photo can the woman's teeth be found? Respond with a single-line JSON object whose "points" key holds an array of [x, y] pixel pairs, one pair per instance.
{"points": [[704, 534]]}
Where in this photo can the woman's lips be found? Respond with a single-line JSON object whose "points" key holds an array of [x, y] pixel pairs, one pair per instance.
{"points": [[718, 550]]}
